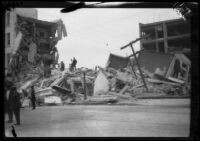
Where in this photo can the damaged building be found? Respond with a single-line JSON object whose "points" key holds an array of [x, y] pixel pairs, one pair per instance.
{"points": [[170, 36], [34, 42], [10, 34], [164, 59], [161, 67], [169, 42], [175, 67]]}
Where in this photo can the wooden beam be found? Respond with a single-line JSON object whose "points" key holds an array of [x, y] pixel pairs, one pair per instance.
{"points": [[165, 38], [135, 53], [141, 74], [132, 68]]}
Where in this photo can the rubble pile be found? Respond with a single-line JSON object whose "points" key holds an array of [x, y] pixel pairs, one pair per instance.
{"points": [[103, 86], [34, 58], [67, 86], [123, 84]]}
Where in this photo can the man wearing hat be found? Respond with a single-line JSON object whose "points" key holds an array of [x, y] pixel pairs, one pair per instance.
{"points": [[14, 105], [33, 99], [9, 104]]}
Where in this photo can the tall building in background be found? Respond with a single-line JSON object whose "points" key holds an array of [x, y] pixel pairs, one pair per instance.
{"points": [[10, 28], [170, 36]]}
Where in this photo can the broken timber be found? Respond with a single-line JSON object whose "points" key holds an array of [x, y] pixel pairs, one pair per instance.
{"points": [[134, 54]]}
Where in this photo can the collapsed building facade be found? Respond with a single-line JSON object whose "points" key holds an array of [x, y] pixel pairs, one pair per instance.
{"points": [[164, 59], [35, 44]]}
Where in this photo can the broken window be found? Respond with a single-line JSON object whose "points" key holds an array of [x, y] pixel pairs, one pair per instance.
{"points": [[178, 28], [150, 31], [42, 34], [149, 46], [44, 48]]}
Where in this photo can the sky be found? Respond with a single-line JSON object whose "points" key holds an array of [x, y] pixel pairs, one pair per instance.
{"points": [[92, 34]]}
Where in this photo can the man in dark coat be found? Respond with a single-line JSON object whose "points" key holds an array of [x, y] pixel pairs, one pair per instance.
{"points": [[74, 63], [9, 105], [16, 104], [8, 101], [62, 66], [33, 99]]}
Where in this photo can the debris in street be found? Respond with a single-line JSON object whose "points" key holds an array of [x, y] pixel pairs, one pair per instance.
{"points": [[101, 84], [35, 57]]}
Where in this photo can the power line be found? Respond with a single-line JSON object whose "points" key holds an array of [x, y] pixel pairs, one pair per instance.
{"points": [[110, 21], [104, 30], [88, 39]]}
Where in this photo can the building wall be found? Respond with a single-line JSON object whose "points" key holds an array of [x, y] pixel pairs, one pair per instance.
{"points": [[171, 36], [10, 28]]}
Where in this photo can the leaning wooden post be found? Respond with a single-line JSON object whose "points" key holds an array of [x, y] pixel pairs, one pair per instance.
{"points": [[141, 74], [130, 44], [132, 68], [84, 86]]}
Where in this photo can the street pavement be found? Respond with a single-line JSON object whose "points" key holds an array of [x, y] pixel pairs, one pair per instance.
{"points": [[104, 121]]}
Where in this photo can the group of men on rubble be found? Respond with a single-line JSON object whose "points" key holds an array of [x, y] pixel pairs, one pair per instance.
{"points": [[72, 66], [13, 100]]}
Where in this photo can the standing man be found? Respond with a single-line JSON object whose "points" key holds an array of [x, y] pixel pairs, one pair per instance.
{"points": [[62, 66], [16, 104], [33, 97], [71, 66], [9, 105], [74, 63]]}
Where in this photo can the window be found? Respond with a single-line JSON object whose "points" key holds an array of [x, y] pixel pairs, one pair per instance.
{"points": [[161, 47], [8, 19], [8, 39], [8, 58], [42, 34], [159, 30]]}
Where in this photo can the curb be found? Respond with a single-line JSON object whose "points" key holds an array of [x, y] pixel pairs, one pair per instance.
{"points": [[165, 97]]}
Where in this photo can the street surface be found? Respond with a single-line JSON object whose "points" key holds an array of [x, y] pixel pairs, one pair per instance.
{"points": [[103, 121]]}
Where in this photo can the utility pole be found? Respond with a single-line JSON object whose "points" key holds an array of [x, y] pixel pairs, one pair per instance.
{"points": [[134, 54], [84, 86]]}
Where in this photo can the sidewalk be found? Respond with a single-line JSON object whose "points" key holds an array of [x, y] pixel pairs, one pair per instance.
{"points": [[160, 102], [151, 102]]}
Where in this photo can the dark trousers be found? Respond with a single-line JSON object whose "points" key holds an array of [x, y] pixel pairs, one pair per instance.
{"points": [[33, 103], [17, 115], [10, 114]]}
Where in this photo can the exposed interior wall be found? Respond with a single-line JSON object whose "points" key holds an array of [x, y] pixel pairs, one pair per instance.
{"points": [[179, 67], [151, 61]]}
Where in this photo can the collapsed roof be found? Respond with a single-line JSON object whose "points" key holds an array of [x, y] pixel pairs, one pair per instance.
{"points": [[117, 62]]}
